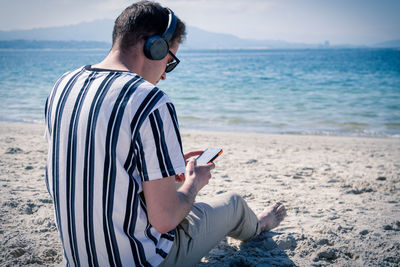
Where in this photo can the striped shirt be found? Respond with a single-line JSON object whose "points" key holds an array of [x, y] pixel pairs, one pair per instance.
{"points": [[108, 131]]}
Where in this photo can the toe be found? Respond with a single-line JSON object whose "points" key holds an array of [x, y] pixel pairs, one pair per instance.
{"points": [[281, 209], [281, 212], [276, 206]]}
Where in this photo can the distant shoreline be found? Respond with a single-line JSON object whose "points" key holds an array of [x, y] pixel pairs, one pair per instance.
{"points": [[184, 130], [34, 44], [25, 44]]}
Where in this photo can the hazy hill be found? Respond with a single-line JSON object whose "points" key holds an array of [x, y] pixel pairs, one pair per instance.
{"points": [[201, 39], [101, 31]]}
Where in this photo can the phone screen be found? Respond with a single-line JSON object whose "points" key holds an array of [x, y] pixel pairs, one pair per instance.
{"points": [[208, 155]]}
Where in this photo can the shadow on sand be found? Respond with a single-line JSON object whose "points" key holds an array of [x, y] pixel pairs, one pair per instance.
{"points": [[260, 251]]}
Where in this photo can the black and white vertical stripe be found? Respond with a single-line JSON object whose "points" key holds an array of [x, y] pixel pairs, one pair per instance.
{"points": [[108, 132], [162, 150]]}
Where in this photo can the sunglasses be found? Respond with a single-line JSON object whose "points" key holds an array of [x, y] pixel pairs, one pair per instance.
{"points": [[171, 65]]}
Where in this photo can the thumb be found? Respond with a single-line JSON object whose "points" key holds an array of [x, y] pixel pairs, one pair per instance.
{"points": [[190, 165]]}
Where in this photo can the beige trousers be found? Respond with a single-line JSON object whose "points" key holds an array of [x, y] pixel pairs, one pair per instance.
{"points": [[207, 224]]}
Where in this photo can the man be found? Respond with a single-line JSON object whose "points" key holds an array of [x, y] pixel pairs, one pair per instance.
{"points": [[115, 153]]}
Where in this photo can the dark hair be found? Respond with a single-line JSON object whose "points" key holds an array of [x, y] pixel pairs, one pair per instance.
{"points": [[141, 20]]}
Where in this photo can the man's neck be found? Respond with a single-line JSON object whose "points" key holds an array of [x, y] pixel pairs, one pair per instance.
{"points": [[118, 60]]}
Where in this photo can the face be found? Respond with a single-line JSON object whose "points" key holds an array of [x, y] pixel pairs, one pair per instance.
{"points": [[155, 69]]}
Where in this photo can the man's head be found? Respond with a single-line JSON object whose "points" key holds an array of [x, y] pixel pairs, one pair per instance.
{"points": [[142, 20], [136, 26]]}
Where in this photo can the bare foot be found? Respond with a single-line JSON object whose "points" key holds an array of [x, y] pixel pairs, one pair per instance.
{"points": [[271, 217]]}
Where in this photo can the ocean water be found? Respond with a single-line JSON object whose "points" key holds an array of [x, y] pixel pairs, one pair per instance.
{"points": [[345, 92]]}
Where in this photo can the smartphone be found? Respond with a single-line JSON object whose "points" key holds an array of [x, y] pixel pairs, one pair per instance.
{"points": [[209, 155]]}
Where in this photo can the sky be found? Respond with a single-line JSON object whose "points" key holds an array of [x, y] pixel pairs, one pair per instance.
{"points": [[305, 21]]}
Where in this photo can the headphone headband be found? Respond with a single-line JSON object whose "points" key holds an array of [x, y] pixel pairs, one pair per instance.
{"points": [[171, 26]]}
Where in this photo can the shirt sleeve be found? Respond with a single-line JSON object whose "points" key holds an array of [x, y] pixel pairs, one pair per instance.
{"points": [[159, 145]]}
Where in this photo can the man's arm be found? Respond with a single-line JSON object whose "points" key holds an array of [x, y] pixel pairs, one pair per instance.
{"points": [[166, 206]]}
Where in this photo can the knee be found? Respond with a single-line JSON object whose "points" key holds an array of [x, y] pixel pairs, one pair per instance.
{"points": [[234, 199]]}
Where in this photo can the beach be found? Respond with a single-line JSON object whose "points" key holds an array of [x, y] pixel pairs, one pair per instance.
{"points": [[342, 196]]}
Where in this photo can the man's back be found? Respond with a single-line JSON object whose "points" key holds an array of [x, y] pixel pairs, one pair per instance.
{"points": [[109, 131], [115, 154]]}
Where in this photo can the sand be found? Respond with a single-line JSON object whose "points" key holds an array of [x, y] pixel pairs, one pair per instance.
{"points": [[342, 195]]}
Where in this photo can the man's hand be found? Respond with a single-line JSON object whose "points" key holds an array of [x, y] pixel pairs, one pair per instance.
{"points": [[198, 175], [180, 178], [165, 205]]}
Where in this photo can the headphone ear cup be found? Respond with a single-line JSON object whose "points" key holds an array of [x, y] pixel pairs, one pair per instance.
{"points": [[156, 48]]}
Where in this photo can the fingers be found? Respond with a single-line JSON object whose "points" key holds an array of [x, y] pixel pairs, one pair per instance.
{"points": [[200, 173], [191, 163], [193, 154], [211, 165], [190, 166]]}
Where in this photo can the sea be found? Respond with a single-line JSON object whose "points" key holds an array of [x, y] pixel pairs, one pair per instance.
{"points": [[339, 92]]}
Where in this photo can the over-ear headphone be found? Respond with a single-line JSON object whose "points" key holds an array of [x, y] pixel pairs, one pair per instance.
{"points": [[157, 47]]}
